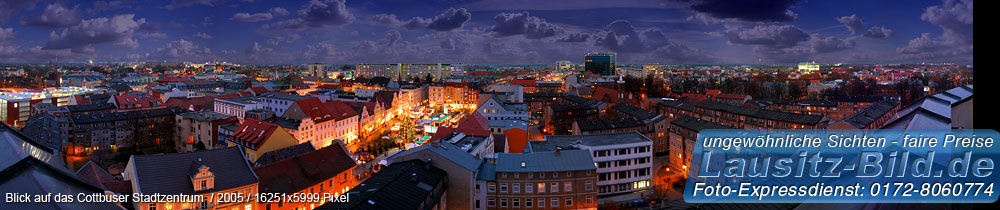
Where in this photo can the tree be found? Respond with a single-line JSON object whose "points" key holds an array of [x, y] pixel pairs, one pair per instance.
{"points": [[428, 78]]}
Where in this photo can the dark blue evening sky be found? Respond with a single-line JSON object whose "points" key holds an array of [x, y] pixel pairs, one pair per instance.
{"points": [[487, 31]]}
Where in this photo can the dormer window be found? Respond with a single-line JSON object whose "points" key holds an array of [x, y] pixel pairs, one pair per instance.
{"points": [[202, 177]]}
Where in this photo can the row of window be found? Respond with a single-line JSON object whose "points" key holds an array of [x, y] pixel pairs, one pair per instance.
{"points": [[622, 163], [530, 187], [531, 202], [621, 151]]}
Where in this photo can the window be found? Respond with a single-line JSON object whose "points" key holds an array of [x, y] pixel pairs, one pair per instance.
{"points": [[492, 187], [503, 202], [567, 186], [555, 174], [590, 185], [554, 187], [517, 187], [590, 200], [555, 202], [477, 203], [517, 203], [541, 203], [528, 188], [569, 201], [491, 202], [152, 206], [527, 203], [541, 187], [503, 188]]}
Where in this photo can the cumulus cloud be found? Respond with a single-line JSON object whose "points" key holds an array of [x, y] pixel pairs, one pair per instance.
{"points": [[827, 44], [278, 11], [256, 50], [8, 7], [955, 18], [878, 32], [181, 50], [746, 10], [778, 36], [6, 34], [450, 20], [202, 35], [447, 44], [283, 39], [385, 19], [676, 52], [55, 16], [117, 30], [574, 37], [853, 23], [510, 24], [256, 17], [186, 3], [153, 35], [321, 52], [317, 14], [621, 36]]}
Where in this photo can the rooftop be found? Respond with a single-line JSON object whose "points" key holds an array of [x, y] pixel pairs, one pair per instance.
{"points": [[568, 160], [168, 173], [403, 185], [568, 142]]}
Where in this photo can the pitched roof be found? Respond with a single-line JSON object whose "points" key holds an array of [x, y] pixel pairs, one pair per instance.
{"points": [[863, 118], [806, 119], [695, 124], [451, 152], [97, 176], [252, 133], [284, 153], [44, 129], [132, 99], [170, 173], [394, 188], [339, 110], [300, 172], [600, 93], [568, 160], [199, 103]]}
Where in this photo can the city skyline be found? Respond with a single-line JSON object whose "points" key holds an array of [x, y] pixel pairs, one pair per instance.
{"points": [[331, 31]]}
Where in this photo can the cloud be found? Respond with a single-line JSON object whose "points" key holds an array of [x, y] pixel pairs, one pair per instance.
{"points": [[416, 23], [153, 35], [385, 19], [821, 44], [447, 44], [186, 3], [55, 16], [278, 11], [202, 35], [181, 50], [117, 30], [510, 24], [621, 36], [450, 20], [8, 7], [878, 32], [574, 37], [316, 14], [283, 39], [676, 52], [853, 23], [6, 34], [956, 42], [779, 36], [256, 50], [247, 17], [746, 10], [321, 52]]}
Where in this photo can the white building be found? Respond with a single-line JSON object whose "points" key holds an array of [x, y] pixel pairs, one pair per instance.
{"points": [[279, 102], [237, 106], [493, 108], [624, 161], [405, 71]]}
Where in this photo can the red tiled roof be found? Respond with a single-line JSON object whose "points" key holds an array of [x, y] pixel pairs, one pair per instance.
{"points": [[301, 172], [340, 110], [523, 82], [258, 90], [253, 133], [474, 121], [712, 92], [200, 103], [125, 100], [601, 92], [314, 109], [445, 131], [234, 95], [97, 176], [80, 99]]}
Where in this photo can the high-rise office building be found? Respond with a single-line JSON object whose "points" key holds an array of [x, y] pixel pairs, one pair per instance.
{"points": [[600, 63]]}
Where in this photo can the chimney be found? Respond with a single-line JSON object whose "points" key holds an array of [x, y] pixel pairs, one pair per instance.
{"points": [[557, 150], [413, 177]]}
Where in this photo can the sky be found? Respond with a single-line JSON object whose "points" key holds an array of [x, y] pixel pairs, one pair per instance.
{"points": [[487, 31]]}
